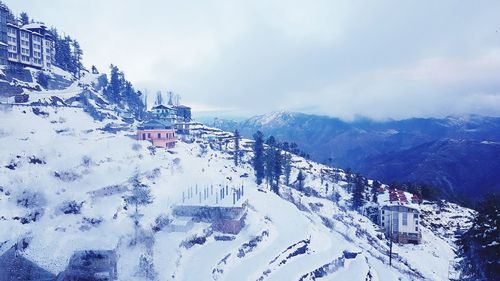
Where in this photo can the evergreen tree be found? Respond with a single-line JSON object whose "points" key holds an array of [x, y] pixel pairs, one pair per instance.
{"points": [[375, 187], [115, 84], [24, 18], [236, 147], [286, 146], [300, 180], [294, 148], [358, 192], [271, 141], [269, 165], [258, 158], [277, 170], [77, 59], [479, 247], [287, 167], [140, 195], [146, 268]]}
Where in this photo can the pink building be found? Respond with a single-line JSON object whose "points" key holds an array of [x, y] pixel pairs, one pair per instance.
{"points": [[160, 133]]}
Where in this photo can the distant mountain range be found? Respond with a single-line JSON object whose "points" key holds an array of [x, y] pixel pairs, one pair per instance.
{"points": [[459, 155]]}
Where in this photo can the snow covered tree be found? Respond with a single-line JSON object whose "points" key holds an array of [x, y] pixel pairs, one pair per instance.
{"points": [[146, 268], [358, 192], [258, 156], [479, 247], [115, 84], [24, 18], [300, 180], [236, 147], [140, 195], [77, 59]]}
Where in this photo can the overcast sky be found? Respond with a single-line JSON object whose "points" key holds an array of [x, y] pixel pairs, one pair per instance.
{"points": [[380, 59]]}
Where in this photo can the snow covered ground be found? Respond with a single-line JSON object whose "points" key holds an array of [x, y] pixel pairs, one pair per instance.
{"points": [[63, 178]]}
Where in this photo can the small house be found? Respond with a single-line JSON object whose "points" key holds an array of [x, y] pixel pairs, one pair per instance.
{"points": [[165, 113], [91, 265], [161, 133], [183, 113]]}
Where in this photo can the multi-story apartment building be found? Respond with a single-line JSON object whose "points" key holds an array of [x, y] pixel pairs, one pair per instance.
{"points": [[28, 45]]}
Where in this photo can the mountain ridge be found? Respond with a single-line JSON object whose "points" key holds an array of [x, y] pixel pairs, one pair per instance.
{"points": [[363, 143]]}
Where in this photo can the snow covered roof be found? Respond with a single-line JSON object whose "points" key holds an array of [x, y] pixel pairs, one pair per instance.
{"points": [[396, 197], [161, 106], [155, 124], [34, 25]]}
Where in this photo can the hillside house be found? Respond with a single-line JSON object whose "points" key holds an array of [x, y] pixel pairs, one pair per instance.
{"points": [[165, 113], [91, 265], [183, 113], [178, 115], [159, 132], [398, 217]]}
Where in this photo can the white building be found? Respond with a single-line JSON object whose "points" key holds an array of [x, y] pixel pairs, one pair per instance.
{"points": [[399, 217], [30, 45], [27, 45]]}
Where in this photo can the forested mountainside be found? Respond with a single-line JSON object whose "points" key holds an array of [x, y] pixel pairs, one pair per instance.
{"points": [[457, 155]]}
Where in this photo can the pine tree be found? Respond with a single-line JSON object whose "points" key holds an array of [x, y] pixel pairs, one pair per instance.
{"points": [[24, 18], [271, 141], [258, 158], [358, 192], [140, 195], [277, 170], [287, 167], [300, 180], [77, 59], [115, 84], [269, 165], [375, 187], [236, 147], [479, 247]]}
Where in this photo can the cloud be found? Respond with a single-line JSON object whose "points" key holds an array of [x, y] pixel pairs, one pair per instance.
{"points": [[383, 59]]}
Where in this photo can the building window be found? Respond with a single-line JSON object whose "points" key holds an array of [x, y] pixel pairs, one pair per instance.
{"points": [[143, 136], [159, 135], [383, 212], [149, 135], [415, 216], [416, 228], [405, 218]]}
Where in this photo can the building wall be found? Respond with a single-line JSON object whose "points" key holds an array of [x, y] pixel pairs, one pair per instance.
{"points": [[165, 138], [4, 19], [32, 47], [404, 220]]}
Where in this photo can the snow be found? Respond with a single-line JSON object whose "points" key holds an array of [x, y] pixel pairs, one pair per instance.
{"points": [[285, 237]]}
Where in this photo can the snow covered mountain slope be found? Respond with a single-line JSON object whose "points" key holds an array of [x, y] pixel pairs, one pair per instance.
{"points": [[63, 178]]}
